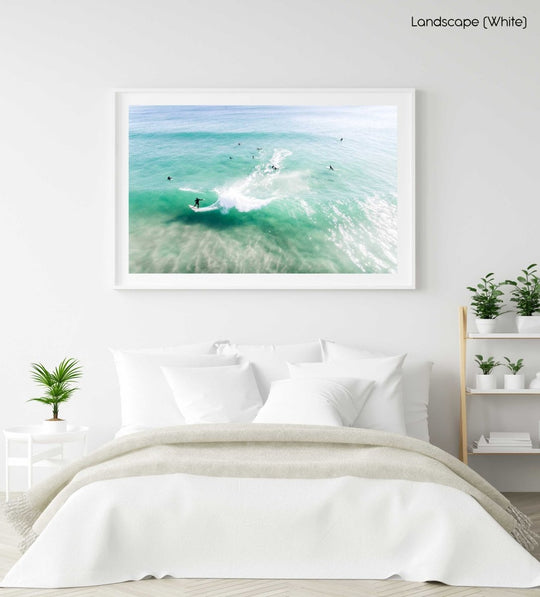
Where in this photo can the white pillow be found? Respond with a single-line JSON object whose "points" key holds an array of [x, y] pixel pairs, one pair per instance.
{"points": [[188, 349], [416, 381], [315, 401], [384, 407], [129, 429], [146, 399], [218, 395], [269, 361]]}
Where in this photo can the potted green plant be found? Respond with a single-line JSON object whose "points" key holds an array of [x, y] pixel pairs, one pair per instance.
{"points": [[486, 303], [514, 380], [58, 388], [525, 295], [486, 380]]}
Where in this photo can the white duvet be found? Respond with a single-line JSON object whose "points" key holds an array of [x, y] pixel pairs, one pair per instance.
{"points": [[185, 526]]}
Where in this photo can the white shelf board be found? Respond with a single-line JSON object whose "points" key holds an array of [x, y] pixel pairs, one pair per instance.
{"points": [[505, 451], [504, 336], [502, 392]]}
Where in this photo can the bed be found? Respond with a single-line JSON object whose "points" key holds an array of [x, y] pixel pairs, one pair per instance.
{"points": [[299, 461]]}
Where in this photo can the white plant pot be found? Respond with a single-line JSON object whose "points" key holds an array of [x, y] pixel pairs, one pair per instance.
{"points": [[528, 324], [486, 382], [514, 382], [50, 426], [535, 383], [486, 326]]}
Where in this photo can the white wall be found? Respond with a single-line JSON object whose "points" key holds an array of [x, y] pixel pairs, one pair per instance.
{"points": [[478, 140]]}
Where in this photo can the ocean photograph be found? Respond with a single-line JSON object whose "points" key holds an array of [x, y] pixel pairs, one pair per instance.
{"points": [[263, 189]]}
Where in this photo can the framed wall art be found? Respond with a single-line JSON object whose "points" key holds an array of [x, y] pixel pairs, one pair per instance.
{"points": [[261, 188]]}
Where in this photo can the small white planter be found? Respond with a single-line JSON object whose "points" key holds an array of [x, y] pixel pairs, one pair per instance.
{"points": [[52, 426], [486, 382], [528, 324], [535, 383], [486, 326], [514, 382]]}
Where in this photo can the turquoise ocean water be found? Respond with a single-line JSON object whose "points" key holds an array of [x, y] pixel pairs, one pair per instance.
{"points": [[276, 206]]}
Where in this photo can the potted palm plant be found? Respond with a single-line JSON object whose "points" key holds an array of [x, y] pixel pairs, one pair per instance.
{"points": [[486, 303], [58, 388], [526, 296], [486, 380], [514, 380]]}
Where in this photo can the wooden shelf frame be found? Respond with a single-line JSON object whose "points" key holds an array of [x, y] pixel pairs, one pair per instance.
{"points": [[464, 336], [463, 451]]}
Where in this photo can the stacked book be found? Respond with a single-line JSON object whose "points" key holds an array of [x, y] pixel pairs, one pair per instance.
{"points": [[504, 441]]}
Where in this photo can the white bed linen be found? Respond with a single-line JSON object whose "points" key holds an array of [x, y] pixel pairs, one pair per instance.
{"points": [[196, 526], [383, 409], [416, 382], [224, 395], [315, 401]]}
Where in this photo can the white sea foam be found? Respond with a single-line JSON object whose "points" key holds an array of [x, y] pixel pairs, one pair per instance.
{"points": [[188, 190], [370, 245], [265, 184]]}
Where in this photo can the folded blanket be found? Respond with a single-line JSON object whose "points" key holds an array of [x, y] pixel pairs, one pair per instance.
{"points": [[276, 451]]}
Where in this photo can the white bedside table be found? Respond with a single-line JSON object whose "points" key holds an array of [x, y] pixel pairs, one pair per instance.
{"points": [[33, 435]]}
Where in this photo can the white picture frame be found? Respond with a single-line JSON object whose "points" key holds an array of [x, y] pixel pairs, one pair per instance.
{"points": [[403, 276]]}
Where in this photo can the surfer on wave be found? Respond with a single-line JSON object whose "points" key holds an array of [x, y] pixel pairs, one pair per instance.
{"points": [[197, 202]]}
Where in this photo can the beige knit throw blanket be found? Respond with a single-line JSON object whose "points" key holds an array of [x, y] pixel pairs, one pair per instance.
{"points": [[256, 450]]}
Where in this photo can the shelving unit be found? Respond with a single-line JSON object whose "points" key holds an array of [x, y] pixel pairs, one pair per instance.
{"points": [[466, 392]]}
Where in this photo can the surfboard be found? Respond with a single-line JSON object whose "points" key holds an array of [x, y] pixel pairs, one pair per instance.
{"points": [[212, 207]]}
